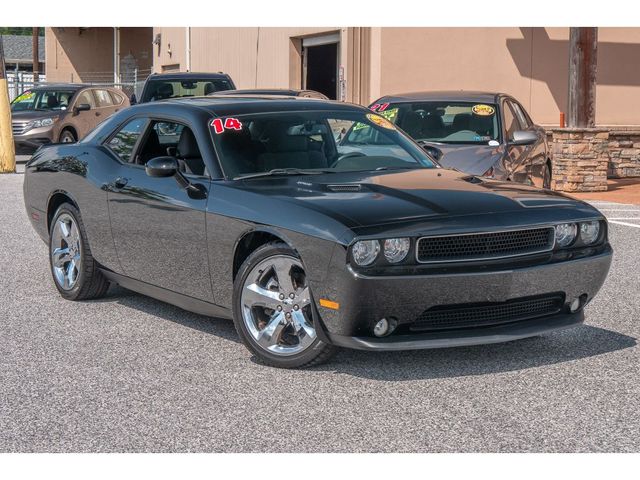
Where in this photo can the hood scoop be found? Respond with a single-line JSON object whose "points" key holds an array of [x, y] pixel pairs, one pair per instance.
{"points": [[345, 188]]}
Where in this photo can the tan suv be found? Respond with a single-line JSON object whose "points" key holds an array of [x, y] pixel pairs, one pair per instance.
{"points": [[61, 113]]}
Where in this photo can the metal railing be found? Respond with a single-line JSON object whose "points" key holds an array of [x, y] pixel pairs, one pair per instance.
{"points": [[130, 82]]}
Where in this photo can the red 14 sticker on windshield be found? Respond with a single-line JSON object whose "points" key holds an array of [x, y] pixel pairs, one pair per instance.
{"points": [[219, 125]]}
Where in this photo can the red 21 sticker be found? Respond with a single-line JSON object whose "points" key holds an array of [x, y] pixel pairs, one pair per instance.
{"points": [[230, 123]]}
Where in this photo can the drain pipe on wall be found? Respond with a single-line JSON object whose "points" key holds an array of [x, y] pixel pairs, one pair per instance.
{"points": [[187, 48], [116, 55]]}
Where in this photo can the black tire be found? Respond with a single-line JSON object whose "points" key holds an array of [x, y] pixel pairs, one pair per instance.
{"points": [[316, 353], [67, 136], [90, 282], [546, 177]]}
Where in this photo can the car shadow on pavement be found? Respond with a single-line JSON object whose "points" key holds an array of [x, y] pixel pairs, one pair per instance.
{"points": [[577, 343], [220, 327]]}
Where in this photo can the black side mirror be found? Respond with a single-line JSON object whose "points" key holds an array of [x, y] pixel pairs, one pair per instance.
{"points": [[133, 100], [83, 107], [162, 167], [522, 137]]}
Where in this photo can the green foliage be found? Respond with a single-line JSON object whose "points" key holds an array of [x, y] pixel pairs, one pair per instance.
{"points": [[20, 30]]}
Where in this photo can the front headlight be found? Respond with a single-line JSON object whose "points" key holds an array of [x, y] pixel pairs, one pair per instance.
{"points": [[396, 249], [566, 233], [589, 232], [365, 252], [43, 122]]}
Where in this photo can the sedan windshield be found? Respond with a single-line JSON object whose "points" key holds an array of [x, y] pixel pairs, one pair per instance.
{"points": [[298, 143], [161, 89], [42, 100], [444, 122]]}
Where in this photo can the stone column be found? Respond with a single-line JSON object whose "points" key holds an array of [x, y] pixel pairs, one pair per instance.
{"points": [[580, 159]]}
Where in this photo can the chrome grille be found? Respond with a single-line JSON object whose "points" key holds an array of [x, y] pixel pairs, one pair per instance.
{"points": [[470, 316], [481, 246], [19, 128]]}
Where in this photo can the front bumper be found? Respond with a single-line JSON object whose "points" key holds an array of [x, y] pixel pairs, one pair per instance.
{"points": [[34, 138], [365, 300]]}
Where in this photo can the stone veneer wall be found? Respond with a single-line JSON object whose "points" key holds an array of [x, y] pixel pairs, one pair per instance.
{"points": [[624, 153], [579, 154], [580, 159]]}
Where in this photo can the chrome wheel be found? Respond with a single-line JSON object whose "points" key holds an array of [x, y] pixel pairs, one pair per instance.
{"points": [[65, 251], [276, 306]]}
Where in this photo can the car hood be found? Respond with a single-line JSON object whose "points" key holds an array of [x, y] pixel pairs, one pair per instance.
{"points": [[28, 115], [362, 199], [473, 159]]}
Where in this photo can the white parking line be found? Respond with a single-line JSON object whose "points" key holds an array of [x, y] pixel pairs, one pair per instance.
{"points": [[623, 218], [619, 210], [624, 223]]}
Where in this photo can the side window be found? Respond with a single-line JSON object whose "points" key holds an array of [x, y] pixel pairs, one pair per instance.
{"points": [[123, 142], [172, 139], [86, 97], [522, 118], [116, 98], [104, 99], [510, 122]]}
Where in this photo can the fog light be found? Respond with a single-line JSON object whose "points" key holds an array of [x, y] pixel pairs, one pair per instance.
{"points": [[384, 327], [575, 305]]}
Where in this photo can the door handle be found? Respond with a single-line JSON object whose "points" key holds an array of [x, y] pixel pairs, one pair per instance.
{"points": [[120, 182]]}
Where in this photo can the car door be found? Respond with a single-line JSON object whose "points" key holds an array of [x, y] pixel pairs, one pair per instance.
{"points": [[83, 121], [515, 155], [158, 227], [105, 106], [536, 159]]}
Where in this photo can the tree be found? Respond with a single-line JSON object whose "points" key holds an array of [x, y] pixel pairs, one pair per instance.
{"points": [[7, 148]]}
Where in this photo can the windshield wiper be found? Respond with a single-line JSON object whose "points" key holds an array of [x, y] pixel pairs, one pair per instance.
{"points": [[282, 171]]}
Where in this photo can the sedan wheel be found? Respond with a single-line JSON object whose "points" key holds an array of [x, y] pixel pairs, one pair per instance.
{"points": [[273, 309], [65, 252], [67, 137]]}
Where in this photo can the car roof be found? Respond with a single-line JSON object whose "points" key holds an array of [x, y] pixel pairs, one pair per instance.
{"points": [[443, 95], [183, 75], [70, 86], [223, 105], [263, 91]]}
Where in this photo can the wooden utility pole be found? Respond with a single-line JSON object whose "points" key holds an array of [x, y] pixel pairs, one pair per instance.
{"points": [[583, 52], [36, 56], [7, 149]]}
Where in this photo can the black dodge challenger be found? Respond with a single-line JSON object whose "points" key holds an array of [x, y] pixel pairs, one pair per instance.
{"points": [[313, 224], [481, 133]]}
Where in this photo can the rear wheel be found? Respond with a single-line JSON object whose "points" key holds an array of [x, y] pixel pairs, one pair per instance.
{"points": [[67, 136], [75, 272], [273, 309]]}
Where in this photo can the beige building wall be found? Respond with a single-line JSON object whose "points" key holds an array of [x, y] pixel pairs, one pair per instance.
{"points": [[528, 63], [263, 57], [74, 54]]}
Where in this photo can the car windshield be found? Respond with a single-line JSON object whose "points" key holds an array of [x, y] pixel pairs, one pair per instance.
{"points": [[470, 123], [42, 100], [161, 89], [312, 142]]}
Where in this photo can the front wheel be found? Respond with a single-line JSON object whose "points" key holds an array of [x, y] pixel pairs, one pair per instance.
{"points": [[68, 137], [273, 309]]}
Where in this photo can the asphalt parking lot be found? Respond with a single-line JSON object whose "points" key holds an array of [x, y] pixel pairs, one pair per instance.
{"points": [[129, 373]]}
